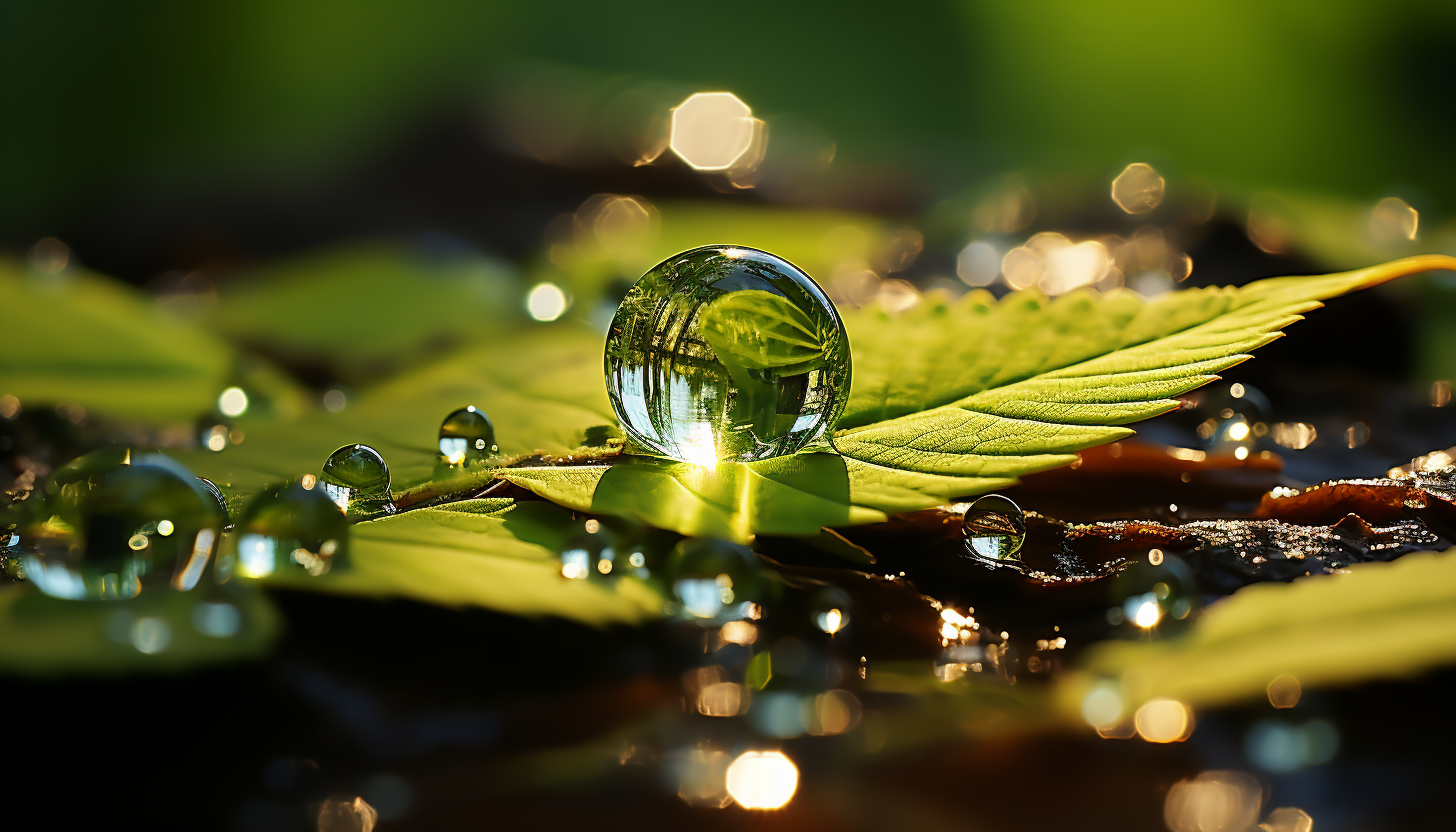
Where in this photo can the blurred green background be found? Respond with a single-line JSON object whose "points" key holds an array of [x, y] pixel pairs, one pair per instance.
{"points": [[159, 111]]}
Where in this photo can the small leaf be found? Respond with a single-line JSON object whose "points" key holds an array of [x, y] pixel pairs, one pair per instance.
{"points": [[496, 554], [999, 389], [762, 331], [759, 671], [1374, 621]]}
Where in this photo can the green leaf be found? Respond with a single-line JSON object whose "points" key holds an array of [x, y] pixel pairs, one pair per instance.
{"points": [[78, 338], [982, 388], [364, 311], [761, 331], [1371, 621], [760, 671], [44, 636], [793, 495], [541, 387], [490, 553]]}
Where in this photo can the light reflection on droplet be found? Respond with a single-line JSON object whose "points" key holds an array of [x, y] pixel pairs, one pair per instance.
{"points": [[711, 130], [762, 780], [831, 621], [546, 302], [1138, 189], [1164, 720]]}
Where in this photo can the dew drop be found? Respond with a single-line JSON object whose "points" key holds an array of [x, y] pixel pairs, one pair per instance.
{"points": [[466, 436], [1155, 593], [357, 480], [292, 527], [995, 529], [726, 353], [714, 580], [111, 524]]}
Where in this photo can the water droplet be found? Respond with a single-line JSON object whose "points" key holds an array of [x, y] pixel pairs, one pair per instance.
{"points": [[289, 528], [831, 610], [466, 436], [724, 353], [995, 529], [1148, 595], [589, 556], [356, 478], [216, 494], [714, 579], [111, 524]]}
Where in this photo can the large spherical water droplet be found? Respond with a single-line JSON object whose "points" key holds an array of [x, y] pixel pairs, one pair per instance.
{"points": [[714, 579], [112, 524], [995, 529], [1157, 592], [726, 353], [295, 527], [466, 436], [356, 478]]}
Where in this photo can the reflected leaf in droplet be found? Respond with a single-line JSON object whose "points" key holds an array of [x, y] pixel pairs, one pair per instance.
{"points": [[995, 529], [356, 478], [466, 437], [111, 524], [1155, 593], [290, 528], [713, 580], [726, 353]]}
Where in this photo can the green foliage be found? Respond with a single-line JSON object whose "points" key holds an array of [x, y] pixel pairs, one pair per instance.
{"points": [[1373, 621], [999, 389], [77, 338], [762, 331], [43, 636], [760, 670], [496, 554], [363, 311]]}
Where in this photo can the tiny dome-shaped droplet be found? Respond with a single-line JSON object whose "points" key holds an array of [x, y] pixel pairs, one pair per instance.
{"points": [[995, 529], [726, 353], [113, 524], [466, 436], [831, 610], [293, 527], [714, 579], [1156, 592], [356, 478], [1234, 416]]}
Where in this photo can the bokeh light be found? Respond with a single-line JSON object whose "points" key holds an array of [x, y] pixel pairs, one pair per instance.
{"points": [[1138, 189], [763, 780], [712, 130]]}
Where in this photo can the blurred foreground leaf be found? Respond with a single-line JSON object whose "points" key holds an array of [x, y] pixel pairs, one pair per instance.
{"points": [[44, 636], [981, 387], [1374, 621], [77, 338], [496, 554]]}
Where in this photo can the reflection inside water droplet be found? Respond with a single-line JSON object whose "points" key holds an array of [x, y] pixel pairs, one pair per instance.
{"points": [[109, 525], [356, 478], [466, 436], [995, 529], [714, 580], [286, 528], [726, 353]]}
